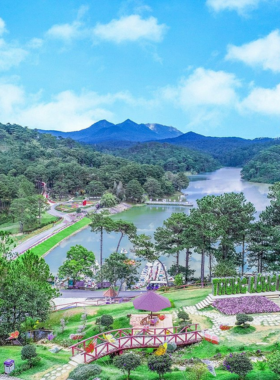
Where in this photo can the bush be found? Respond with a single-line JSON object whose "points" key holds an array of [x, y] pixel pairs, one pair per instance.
{"points": [[85, 372], [160, 364], [241, 320], [239, 364], [106, 320], [243, 331], [28, 353], [66, 342], [183, 315], [197, 372], [274, 362], [127, 363]]}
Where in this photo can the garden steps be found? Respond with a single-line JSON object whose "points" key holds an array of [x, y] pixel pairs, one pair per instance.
{"points": [[205, 303]]}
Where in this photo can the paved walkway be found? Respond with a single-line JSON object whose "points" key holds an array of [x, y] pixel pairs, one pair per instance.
{"points": [[6, 377], [56, 373]]}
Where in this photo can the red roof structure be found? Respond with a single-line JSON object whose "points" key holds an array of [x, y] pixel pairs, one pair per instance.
{"points": [[110, 293]]}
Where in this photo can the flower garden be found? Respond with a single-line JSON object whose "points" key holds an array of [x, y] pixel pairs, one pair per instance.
{"points": [[247, 305], [256, 354]]}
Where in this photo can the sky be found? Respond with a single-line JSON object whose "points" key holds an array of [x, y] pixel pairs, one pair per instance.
{"points": [[208, 66]]}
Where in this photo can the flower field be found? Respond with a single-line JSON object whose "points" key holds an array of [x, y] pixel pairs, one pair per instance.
{"points": [[247, 305]]}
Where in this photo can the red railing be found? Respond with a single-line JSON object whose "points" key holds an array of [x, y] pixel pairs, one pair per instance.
{"points": [[130, 338]]}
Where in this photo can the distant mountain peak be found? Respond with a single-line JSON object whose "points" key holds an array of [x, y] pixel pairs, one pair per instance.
{"points": [[128, 130]]}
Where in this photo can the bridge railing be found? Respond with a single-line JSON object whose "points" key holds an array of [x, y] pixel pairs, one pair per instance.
{"points": [[135, 337]]}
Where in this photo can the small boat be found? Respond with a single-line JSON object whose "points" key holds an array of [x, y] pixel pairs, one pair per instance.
{"points": [[123, 250]]}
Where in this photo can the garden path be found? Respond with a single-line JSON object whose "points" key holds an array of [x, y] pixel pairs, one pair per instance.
{"points": [[58, 373], [218, 319]]}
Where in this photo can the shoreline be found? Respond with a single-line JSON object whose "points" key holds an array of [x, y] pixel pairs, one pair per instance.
{"points": [[113, 211]]}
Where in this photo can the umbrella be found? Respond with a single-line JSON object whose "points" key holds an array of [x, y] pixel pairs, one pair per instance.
{"points": [[151, 301]]}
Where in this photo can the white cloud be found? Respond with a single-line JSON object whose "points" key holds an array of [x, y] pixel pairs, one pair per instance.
{"points": [[35, 43], [10, 97], [2, 26], [234, 5], [131, 28], [264, 52], [68, 32], [10, 55], [263, 100], [65, 32], [66, 111], [204, 88]]}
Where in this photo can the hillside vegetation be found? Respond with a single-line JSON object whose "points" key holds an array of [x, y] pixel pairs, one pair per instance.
{"points": [[170, 157], [264, 167], [30, 160]]}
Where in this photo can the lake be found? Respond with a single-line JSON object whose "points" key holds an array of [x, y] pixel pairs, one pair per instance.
{"points": [[148, 218]]}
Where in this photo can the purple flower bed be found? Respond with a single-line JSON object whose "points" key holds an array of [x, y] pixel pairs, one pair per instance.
{"points": [[247, 305]]}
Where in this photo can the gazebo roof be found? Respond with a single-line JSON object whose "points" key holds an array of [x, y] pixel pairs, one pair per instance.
{"points": [[110, 293], [151, 301]]}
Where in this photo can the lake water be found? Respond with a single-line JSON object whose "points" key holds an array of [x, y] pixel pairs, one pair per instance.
{"points": [[148, 218]]}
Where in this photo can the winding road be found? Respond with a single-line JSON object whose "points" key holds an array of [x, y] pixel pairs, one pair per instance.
{"points": [[67, 219]]}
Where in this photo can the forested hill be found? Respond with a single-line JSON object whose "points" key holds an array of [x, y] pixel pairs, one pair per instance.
{"points": [[28, 158], [264, 167], [229, 151], [170, 157]]}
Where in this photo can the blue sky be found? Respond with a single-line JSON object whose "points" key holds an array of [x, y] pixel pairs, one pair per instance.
{"points": [[210, 66]]}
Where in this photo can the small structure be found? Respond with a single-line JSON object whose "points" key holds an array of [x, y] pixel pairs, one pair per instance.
{"points": [[9, 366], [152, 302], [109, 294]]}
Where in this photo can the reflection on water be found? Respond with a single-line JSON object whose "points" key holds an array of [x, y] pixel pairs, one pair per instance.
{"points": [[148, 218]]}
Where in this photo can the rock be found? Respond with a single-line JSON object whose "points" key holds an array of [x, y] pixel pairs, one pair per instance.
{"points": [[55, 350]]}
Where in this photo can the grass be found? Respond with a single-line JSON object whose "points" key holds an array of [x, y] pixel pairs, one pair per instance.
{"points": [[118, 312], [48, 359], [13, 227], [243, 330], [44, 247], [203, 350]]}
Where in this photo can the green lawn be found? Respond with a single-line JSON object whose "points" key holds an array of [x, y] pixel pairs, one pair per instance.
{"points": [[203, 350], [48, 359], [44, 247], [13, 227]]}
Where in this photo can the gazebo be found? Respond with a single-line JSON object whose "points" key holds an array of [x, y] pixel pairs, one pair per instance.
{"points": [[152, 302], [109, 294]]}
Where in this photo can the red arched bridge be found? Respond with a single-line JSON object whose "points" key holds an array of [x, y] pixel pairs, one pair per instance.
{"points": [[114, 341]]}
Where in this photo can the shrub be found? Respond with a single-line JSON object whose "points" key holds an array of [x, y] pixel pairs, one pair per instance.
{"points": [[183, 315], [160, 364], [239, 364], [106, 320], [28, 353], [171, 347], [229, 286], [127, 363], [241, 320], [85, 372], [243, 285], [197, 372], [178, 279], [274, 362]]}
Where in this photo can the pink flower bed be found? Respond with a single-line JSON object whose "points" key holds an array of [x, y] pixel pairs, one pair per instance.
{"points": [[247, 305]]}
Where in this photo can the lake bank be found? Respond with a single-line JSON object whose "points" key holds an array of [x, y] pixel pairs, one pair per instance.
{"points": [[148, 218]]}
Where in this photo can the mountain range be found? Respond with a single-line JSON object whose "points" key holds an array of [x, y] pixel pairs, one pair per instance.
{"points": [[103, 131]]}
